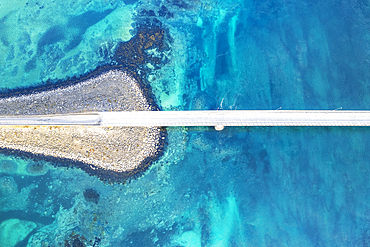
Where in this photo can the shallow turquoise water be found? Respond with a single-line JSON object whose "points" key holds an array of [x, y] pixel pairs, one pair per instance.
{"points": [[238, 187]]}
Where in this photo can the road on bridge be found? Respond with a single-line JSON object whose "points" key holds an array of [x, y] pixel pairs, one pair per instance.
{"points": [[217, 118]]}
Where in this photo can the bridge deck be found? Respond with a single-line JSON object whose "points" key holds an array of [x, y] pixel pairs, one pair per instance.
{"points": [[199, 118]]}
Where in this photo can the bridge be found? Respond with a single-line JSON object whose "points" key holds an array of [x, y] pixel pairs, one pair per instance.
{"points": [[216, 118]]}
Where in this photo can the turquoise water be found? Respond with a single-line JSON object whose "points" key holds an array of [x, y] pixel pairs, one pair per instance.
{"points": [[237, 187]]}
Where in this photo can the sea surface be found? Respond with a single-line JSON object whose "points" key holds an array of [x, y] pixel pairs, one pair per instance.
{"points": [[242, 186]]}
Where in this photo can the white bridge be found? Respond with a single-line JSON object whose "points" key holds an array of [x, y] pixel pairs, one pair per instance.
{"points": [[216, 118]]}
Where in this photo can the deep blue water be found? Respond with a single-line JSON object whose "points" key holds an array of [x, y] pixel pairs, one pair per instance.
{"points": [[273, 186]]}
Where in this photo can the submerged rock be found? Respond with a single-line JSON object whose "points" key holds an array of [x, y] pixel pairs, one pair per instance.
{"points": [[13, 231], [91, 195], [8, 166], [8, 187], [36, 168], [202, 101]]}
